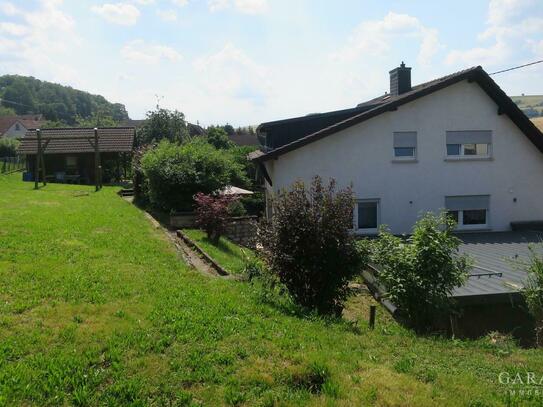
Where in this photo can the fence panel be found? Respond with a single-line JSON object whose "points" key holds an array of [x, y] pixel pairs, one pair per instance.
{"points": [[11, 164]]}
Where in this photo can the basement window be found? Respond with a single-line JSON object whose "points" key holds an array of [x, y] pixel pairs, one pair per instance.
{"points": [[469, 212], [367, 216]]}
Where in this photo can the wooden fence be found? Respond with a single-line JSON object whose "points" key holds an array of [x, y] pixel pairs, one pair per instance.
{"points": [[11, 164]]}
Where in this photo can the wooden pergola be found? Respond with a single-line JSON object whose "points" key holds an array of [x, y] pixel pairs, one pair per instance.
{"points": [[79, 142], [43, 142]]}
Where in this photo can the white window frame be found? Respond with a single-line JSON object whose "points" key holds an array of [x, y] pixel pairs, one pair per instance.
{"points": [[404, 157], [369, 231], [460, 225], [463, 154]]}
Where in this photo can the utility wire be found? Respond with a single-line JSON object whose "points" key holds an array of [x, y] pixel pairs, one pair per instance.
{"points": [[15, 103], [517, 67]]}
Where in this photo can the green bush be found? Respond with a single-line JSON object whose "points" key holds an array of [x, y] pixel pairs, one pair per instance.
{"points": [[309, 245], [419, 273], [176, 172], [533, 292], [8, 147]]}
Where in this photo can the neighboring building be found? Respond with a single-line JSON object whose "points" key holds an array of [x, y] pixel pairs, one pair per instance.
{"points": [[244, 139], [456, 143], [16, 126], [69, 153]]}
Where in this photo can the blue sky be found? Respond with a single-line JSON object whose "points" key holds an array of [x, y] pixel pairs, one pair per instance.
{"points": [[249, 61]]}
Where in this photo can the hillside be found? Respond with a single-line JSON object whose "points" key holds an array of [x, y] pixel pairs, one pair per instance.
{"points": [[56, 102], [531, 105], [538, 121]]}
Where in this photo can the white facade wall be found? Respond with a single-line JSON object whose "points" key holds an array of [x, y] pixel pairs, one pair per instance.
{"points": [[362, 155]]}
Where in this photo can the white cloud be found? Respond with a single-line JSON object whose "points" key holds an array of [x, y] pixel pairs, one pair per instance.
{"points": [[376, 37], [13, 29], [118, 13], [509, 30], [8, 9], [167, 15], [45, 35], [243, 6], [251, 6], [231, 72], [180, 3], [141, 51]]}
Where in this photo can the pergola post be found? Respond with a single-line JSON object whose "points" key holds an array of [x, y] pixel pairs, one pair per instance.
{"points": [[37, 169], [97, 169]]}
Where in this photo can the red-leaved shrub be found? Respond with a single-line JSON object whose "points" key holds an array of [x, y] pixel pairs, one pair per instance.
{"points": [[212, 212]]}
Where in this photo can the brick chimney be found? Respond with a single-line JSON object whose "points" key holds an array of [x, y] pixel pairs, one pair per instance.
{"points": [[400, 80]]}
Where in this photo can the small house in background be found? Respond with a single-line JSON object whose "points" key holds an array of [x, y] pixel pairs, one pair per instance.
{"points": [[70, 154], [16, 126]]}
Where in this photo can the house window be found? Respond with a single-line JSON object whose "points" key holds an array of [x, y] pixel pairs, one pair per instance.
{"points": [[469, 143], [367, 215], [71, 162], [405, 145], [17, 127], [469, 211]]}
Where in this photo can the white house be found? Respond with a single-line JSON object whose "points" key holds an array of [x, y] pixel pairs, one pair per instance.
{"points": [[15, 127], [457, 143]]}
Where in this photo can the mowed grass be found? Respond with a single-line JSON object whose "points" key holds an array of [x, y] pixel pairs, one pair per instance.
{"points": [[229, 255], [96, 308]]}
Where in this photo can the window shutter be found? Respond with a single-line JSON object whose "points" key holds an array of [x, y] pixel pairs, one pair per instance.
{"points": [[404, 139], [469, 137], [467, 202]]}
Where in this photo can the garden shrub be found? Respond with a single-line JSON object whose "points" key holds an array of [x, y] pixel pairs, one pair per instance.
{"points": [[176, 172], [8, 147], [420, 272], [212, 213], [533, 292], [309, 244]]}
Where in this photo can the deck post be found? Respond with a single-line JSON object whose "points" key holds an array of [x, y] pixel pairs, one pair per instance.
{"points": [[37, 169]]}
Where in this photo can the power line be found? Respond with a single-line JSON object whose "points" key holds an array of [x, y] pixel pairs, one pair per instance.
{"points": [[15, 103], [517, 67]]}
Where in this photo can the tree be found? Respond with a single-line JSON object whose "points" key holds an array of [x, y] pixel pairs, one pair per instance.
{"points": [[533, 292], [7, 111], [309, 245], [218, 138], [175, 173], [54, 101], [212, 213], [419, 273], [19, 97], [163, 124]]}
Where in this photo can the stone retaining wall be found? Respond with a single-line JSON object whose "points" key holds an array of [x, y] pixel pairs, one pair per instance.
{"points": [[242, 230]]}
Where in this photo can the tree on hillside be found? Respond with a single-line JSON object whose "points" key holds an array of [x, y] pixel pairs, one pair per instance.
{"points": [[18, 97], [56, 102], [163, 124], [6, 111]]}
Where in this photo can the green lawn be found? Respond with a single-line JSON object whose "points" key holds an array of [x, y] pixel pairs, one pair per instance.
{"points": [[96, 308], [229, 255]]}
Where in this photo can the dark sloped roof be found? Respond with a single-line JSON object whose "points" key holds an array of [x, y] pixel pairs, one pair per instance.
{"points": [[498, 263], [281, 132], [389, 103], [78, 140]]}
